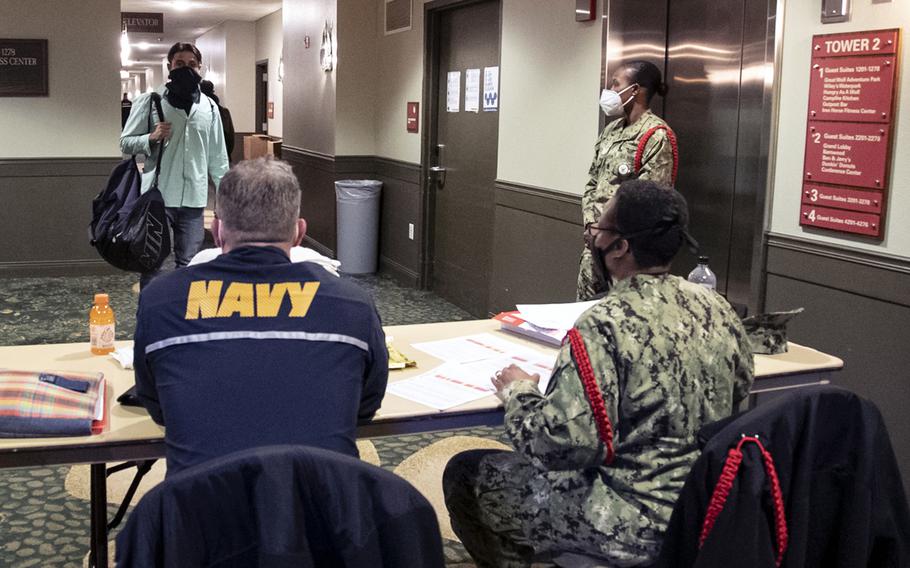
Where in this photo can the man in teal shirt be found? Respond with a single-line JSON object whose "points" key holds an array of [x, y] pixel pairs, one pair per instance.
{"points": [[194, 149]]}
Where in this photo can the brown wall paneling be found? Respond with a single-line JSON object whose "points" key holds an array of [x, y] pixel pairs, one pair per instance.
{"points": [[401, 204], [857, 310], [316, 174], [47, 209], [537, 241]]}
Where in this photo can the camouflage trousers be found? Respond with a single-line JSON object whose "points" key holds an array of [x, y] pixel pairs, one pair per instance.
{"points": [[588, 285], [493, 535]]}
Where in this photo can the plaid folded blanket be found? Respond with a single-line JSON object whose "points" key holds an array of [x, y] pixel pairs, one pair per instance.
{"points": [[51, 403]]}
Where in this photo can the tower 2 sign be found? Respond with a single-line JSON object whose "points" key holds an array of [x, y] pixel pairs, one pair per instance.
{"points": [[849, 131]]}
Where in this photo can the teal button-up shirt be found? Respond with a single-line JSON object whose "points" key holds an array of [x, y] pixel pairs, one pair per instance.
{"points": [[195, 150]]}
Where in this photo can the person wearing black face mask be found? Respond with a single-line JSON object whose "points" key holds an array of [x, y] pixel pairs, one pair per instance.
{"points": [[601, 456], [192, 138], [634, 144]]}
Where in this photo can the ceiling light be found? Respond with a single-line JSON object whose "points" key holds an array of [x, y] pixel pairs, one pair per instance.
{"points": [[182, 5], [124, 48], [143, 45]]}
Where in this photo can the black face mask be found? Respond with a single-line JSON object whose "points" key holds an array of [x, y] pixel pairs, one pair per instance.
{"points": [[182, 87], [603, 279]]}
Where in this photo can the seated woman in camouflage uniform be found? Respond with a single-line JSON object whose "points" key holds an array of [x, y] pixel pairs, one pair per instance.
{"points": [[600, 458], [629, 121]]}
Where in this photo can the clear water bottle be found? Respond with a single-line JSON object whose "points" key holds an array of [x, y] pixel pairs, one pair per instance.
{"points": [[703, 275]]}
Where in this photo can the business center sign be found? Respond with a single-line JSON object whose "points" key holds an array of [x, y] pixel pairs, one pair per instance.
{"points": [[23, 68]]}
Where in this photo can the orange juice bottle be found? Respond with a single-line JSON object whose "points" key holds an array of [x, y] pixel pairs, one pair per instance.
{"points": [[101, 325]]}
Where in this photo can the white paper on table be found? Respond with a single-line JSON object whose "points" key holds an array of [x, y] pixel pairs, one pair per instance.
{"points": [[554, 316], [490, 88], [472, 90], [453, 91], [473, 348], [480, 373], [441, 388]]}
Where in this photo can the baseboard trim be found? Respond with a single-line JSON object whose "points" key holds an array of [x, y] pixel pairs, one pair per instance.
{"points": [[40, 269], [402, 274], [318, 247], [838, 252], [539, 201], [873, 276], [57, 167]]}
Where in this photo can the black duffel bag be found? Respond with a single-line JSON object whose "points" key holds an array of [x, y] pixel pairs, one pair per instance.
{"points": [[130, 228]]}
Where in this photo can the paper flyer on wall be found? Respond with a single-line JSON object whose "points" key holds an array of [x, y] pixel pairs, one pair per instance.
{"points": [[490, 88], [472, 90], [453, 91]]}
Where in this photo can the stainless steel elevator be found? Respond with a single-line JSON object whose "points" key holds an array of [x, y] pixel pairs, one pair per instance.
{"points": [[717, 58]]}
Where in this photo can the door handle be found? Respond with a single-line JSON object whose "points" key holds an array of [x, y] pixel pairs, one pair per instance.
{"points": [[438, 174]]}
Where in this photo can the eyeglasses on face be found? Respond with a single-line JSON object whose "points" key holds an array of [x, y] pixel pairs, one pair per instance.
{"points": [[590, 227]]}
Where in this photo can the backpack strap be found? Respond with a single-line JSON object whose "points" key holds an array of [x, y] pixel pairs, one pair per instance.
{"points": [[155, 100], [725, 484], [592, 390], [639, 153]]}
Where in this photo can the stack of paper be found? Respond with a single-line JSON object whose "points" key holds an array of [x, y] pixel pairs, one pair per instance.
{"points": [[548, 323], [469, 364]]}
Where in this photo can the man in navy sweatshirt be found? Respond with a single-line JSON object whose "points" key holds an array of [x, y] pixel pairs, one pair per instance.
{"points": [[251, 350]]}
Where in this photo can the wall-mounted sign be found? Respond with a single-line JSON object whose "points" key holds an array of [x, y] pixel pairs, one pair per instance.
{"points": [[413, 114], [142, 22], [23, 68], [848, 136]]}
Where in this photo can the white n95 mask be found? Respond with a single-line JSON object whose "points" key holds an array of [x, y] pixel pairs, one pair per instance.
{"points": [[611, 102]]}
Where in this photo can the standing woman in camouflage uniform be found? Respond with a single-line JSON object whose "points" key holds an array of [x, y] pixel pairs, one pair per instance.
{"points": [[625, 104]]}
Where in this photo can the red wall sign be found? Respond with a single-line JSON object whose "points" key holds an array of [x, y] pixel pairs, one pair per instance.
{"points": [[840, 220], [413, 113], [847, 153], [848, 136], [852, 88], [833, 196]]}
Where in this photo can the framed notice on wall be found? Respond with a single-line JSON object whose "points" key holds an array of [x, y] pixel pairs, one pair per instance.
{"points": [[23, 68], [849, 134]]}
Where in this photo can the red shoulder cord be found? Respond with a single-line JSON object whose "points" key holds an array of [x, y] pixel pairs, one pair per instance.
{"points": [[639, 153], [595, 398], [725, 484]]}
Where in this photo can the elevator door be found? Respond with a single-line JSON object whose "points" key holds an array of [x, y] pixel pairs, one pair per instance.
{"points": [[716, 58]]}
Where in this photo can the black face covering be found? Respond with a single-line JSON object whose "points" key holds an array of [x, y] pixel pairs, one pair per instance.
{"points": [[182, 87], [601, 273]]}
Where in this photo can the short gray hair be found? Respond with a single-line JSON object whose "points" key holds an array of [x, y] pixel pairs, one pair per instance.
{"points": [[259, 201]]}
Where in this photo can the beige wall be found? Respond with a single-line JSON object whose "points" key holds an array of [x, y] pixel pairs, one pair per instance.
{"points": [[549, 92], [549, 88], [356, 80], [400, 71], [309, 92], [801, 22], [229, 54], [81, 117], [269, 37]]}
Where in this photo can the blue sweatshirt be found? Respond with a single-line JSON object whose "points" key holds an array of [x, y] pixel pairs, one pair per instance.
{"points": [[251, 350]]}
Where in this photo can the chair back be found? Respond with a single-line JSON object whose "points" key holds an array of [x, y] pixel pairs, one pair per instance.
{"points": [[282, 506]]}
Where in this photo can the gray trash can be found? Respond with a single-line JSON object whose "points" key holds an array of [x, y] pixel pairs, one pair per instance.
{"points": [[358, 224]]}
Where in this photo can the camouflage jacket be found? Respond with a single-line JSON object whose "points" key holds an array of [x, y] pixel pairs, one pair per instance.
{"points": [[669, 357], [614, 155]]}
